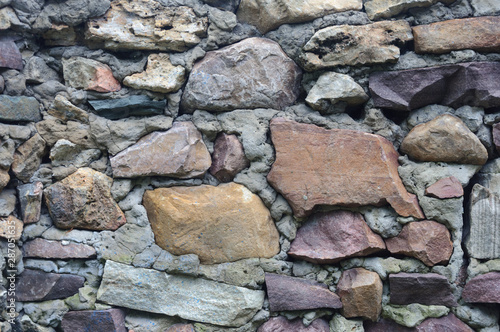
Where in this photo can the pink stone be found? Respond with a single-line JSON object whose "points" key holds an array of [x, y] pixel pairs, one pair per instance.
{"points": [[228, 158], [446, 323], [484, 288], [449, 187], [10, 57]]}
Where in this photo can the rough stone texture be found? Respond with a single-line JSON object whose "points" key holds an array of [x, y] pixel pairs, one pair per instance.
{"points": [[247, 75], [484, 288], [40, 248], [385, 325], [7, 202], [138, 105], [496, 136], [4, 178], [219, 224], [350, 45], [426, 240], [245, 273], [182, 146], [427, 289], [37, 71], [63, 109], [30, 199], [181, 328], [19, 108], [333, 236], [94, 320], [341, 324], [60, 35], [28, 157], [413, 314], [281, 324], [452, 85], [485, 7], [83, 200], [446, 139], [33, 285], [351, 161], [377, 9], [288, 293], [190, 298], [10, 57], [160, 75], [481, 35], [228, 158], [11, 227], [449, 187], [267, 15], [446, 323], [88, 74], [361, 293], [53, 129], [146, 25]]}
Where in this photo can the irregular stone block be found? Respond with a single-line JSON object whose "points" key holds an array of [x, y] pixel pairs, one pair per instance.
{"points": [[19, 108], [426, 240], [245, 272], [182, 146], [289, 293], [37, 71], [267, 15], [28, 157], [484, 288], [219, 224], [94, 320], [333, 236], [446, 323], [427, 289], [10, 57], [30, 199], [228, 158], [7, 202], [138, 105], [281, 324], [483, 35], [449, 187], [4, 178], [254, 73], [228, 5], [347, 160], [34, 285], [53, 129], [340, 323], [377, 9], [413, 314], [385, 325], [11, 227], [41, 248], [88, 74], [352, 45], [446, 139], [60, 35], [176, 295], [181, 328], [485, 7], [83, 200]]}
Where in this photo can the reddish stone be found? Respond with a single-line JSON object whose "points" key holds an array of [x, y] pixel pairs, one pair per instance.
{"points": [[33, 285], [385, 326], [336, 167], [289, 293], [180, 328], [444, 324], [281, 324], [449, 187], [40, 248], [330, 237], [484, 288], [112, 320], [426, 240], [228, 158], [10, 57]]}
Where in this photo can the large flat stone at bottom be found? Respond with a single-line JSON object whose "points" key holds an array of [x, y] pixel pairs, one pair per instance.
{"points": [[112, 320], [447, 323], [281, 324], [33, 285], [175, 295], [484, 288]]}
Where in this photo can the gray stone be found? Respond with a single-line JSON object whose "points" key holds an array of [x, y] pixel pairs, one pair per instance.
{"points": [[148, 257], [477, 316], [413, 314], [385, 266], [53, 129], [15, 83], [207, 123], [281, 324], [377, 9], [36, 71], [382, 220], [7, 149], [139, 105], [120, 188], [485, 7], [47, 313], [7, 202], [71, 12], [245, 273], [140, 321], [30, 199], [184, 264], [340, 324], [21, 108], [471, 116], [63, 109], [426, 114], [65, 153], [224, 20]]}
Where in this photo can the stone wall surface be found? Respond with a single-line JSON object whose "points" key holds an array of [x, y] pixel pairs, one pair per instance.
{"points": [[249, 165]]}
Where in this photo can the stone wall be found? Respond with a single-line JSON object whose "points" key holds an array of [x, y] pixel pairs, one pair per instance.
{"points": [[253, 165]]}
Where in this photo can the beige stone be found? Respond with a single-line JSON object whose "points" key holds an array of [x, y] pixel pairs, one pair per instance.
{"points": [[376, 9], [63, 109], [11, 228], [60, 35], [219, 224], [4, 178], [28, 157]]}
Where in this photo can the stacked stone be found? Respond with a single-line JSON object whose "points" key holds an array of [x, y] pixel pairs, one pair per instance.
{"points": [[250, 165]]}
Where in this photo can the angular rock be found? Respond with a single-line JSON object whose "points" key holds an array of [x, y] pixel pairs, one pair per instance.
{"points": [[94, 320], [377, 9], [426, 240], [346, 160], [267, 15], [333, 236], [30, 199], [352, 45], [482, 35], [228, 158], [146, 25], [446, 323], [182, 146], [60, 35], [446, 139], [281, 324], [160, 75], [19, 108], [385, 325], [289, 293], [254, 73], [11, 228], [138, 105], [63, 109], [187, 297], [34, 285], [10, 57], [28, 157], [427, 289], [361, 293], [219, 224], [181, 328], [228, 5], [485, 7], [496, 136], [53, 129], [484, 288], [88, 74], [449, 187], [37, 71], [41, 248], [7, 202], [340, 323], [246, 273], [4, 178], [83, 200]]}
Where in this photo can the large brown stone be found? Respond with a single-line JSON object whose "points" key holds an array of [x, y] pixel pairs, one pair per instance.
{"points": [[444, 324], [88, 74], [484, 288], [281, 324], [445, 138], [219, 224], [228, 158], [335, 167], [33, 285], [426, 240], [361, 293], [83, 200], [449, 187], [333, 236], [179, 152], [478, 33], [28, 157], [41, 248], [112, 320]]}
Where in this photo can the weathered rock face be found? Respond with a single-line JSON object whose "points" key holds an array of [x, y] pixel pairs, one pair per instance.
{"points": [[94, 320], [281, 324], [446, 323], [333, 236], [28, 157], [11, 227], [384, 325], [334, 168], [63, 109], [187, 297], [355, 45], [449, 187], [228, 158], [33, 285], [88, 74], [41, 248], [83, 200], [428, 289], [179, 152], [267, 15], [146, 25], [441, 37], [426, 240], [361, 293], [219, 224], [446, 139], [250, 74], [19, 108], [30, 199], [10, 57], [138, 105], [377, 9], [7, 202], [484, 288], [181, 328], [288, 293]]}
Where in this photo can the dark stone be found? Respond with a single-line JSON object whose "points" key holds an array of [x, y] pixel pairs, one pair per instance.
{"points": [[228, 158], [139, 105], [281, 324], [496, 136], [10, 57], [289, 293], [484, 288], [385, 326], [41, 248], [444, 324], [30, 199], [14, 108], [111, 320], [33, 285], [426, 289], [229, 5]]}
